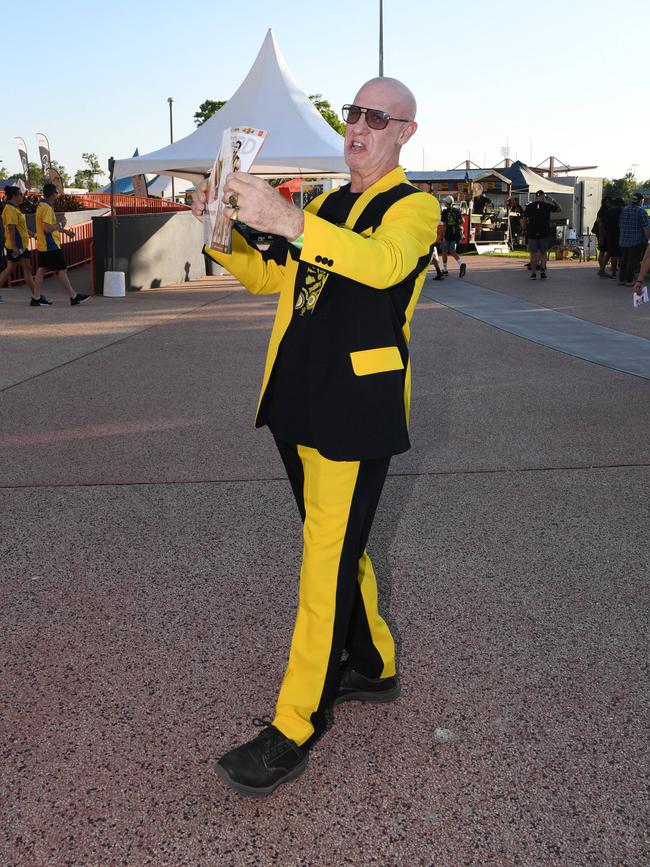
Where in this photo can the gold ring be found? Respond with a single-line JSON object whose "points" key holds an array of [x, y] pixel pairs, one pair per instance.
{"points": [[232, 200]]}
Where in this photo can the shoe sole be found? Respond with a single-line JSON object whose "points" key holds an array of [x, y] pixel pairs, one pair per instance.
{"points": [[383, 697], [261, 792]]}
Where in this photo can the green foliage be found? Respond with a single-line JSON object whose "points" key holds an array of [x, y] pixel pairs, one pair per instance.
{"points": [[623, 187], [324, 107], [65, 177], [3, 174], [86, 177], [211, 106], [207, 109], [35, 176]]}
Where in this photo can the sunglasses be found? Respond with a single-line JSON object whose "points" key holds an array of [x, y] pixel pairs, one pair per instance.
{"points": [[375, 118]]}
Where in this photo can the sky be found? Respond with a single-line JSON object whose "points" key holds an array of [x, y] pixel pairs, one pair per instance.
{"points": [[532, 77]]}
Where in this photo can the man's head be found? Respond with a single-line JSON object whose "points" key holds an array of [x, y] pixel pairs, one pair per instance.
{"points": [[49, 191], [373, 140], [539, 195], [637, 198], [449, 201], [14, 195], [618, 201]]}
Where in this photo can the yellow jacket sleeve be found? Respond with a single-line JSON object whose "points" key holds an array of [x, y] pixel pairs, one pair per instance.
{"points": [[385, 257], [257, 275]]}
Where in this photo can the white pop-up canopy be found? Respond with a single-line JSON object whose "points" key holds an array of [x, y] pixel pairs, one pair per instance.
{"points": [[300, 141]]}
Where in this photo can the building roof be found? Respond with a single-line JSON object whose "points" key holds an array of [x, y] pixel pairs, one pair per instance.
{"points": [[433, 175]]}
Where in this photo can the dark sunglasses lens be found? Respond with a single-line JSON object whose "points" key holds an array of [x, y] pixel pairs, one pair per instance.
{"points": [[376, 119], [351, 113]]}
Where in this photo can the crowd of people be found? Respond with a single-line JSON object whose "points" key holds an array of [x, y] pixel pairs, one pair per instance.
{"points": [[623, 232]]}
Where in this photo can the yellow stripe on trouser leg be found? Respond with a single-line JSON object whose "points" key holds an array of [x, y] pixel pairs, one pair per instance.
{"points": [[328, 491], [379, 631], [338, 592]]}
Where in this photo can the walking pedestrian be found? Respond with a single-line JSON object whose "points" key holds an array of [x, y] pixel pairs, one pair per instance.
{"points": [[17, 237], [452, 219], [536, 222], [336, 391], [48, 244], [633, 234]]}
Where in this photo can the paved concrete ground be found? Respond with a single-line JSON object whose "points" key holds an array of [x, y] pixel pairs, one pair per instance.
{"points": [[149, 553]]}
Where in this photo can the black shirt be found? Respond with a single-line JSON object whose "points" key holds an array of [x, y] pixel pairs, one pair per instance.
{"points": [[538, 218], [612, 219], [479, 203], [288, 389]]}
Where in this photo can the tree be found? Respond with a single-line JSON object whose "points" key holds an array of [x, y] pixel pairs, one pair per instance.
{"points": [[35, 176], [207, 109], [623, 187], [328, 112], [65, 177], [86, 177], [3, 173], [210, 107]]}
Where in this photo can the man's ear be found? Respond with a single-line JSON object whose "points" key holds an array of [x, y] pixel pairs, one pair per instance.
{"points": [[406, 132]]}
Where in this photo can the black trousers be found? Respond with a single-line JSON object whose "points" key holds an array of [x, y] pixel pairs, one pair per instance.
{"points": [[630, 262]]}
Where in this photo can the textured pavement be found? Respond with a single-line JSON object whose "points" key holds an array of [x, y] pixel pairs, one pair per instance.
{"points": [[149, 552]]}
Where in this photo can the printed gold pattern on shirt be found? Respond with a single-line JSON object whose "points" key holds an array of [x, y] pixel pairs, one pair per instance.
{"points": [[315, 280]]}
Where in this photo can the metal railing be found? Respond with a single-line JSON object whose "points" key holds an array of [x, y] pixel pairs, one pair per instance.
{"points": [[126, 204]]}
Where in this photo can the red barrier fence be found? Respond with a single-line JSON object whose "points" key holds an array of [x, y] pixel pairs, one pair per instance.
{"points": [[130, 204], [75, 250]]}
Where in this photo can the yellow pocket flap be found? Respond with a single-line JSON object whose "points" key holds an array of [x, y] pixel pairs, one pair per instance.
{"points": [[376, 360]]}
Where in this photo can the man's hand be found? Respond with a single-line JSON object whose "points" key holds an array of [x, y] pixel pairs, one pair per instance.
{"points": [[261, 207], [199, 198]]}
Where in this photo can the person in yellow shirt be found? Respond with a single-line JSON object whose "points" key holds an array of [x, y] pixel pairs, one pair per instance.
{"points": [[17, 237], [48, 245]]}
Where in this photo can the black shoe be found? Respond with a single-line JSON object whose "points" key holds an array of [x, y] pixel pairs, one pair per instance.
{"points": [[543, 274], [260, 766], [41, 301], [445, 273], [463, 268], [79, 298], [356, 687], [439, 276], [533, 275]]}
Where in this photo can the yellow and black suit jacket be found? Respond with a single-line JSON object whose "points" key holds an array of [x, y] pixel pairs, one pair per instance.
{"points": [[360, 282]]}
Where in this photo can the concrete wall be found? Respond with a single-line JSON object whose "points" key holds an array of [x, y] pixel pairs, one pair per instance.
{"points": [[151, 249]]}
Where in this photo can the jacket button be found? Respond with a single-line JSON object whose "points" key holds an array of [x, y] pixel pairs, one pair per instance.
{"points": [[319, 258], [330, 262]]}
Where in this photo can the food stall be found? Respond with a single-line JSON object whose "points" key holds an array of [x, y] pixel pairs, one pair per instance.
{"points": [[491, 226]]}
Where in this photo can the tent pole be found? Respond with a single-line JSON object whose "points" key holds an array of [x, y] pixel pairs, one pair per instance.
{"points": [[111, 166]]}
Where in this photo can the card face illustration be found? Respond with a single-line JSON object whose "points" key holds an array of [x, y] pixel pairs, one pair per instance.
{"points": [[240, 145]]}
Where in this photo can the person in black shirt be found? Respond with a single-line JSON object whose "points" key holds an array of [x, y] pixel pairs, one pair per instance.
{"points": [[612, 249], [599, 231], [479, 203], [537, 225], [453, 232]]}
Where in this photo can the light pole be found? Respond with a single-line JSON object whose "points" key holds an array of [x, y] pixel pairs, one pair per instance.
{"points": [[170, 100], [381, 38]]}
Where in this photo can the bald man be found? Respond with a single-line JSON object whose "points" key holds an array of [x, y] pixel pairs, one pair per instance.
{"points": [[335, 394]]}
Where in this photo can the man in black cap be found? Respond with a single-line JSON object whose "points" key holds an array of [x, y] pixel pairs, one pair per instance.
{"points": [[536, 223]]}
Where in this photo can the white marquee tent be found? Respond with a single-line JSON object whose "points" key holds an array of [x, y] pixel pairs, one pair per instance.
{"points": [[300, 141]]}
